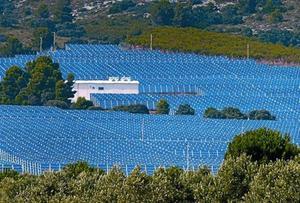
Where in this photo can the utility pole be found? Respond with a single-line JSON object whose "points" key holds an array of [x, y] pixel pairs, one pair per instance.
{"points": [[151, 42], [41, 44], [248, 51], [54, 41]]}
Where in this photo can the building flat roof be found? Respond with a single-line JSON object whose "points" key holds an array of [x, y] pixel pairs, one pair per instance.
{"points": [[105, 82]]}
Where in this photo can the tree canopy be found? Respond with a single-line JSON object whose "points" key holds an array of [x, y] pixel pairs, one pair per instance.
{"points": [[263, 145], [162, 107], [40, 82], [185, 109]]}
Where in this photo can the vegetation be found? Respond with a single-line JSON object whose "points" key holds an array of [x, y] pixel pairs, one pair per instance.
{"points": [[185, 109], [241, 178], [235, 113], [263, 145], [39, 83], [162, 107], [135, 108], [211, 43], [82, 103], [27, 21]]}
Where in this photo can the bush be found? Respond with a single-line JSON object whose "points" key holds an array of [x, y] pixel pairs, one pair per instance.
{"points": [[57, 103], [95, 108], [213, 113], [276, 182], [261, 115], [235, 113], [135, 108], [263, 145], [162, 107], [185, 109], [82, 103]]}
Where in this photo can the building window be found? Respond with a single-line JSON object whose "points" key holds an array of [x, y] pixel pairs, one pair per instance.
{"points": [[93, 87], [100, 88]]}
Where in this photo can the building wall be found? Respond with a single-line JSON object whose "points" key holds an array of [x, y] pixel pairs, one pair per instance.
{"points": [[85, 89]]}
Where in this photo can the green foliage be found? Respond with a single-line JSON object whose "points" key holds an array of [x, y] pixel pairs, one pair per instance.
{"points": [[263, 145], [14, 81], [211, 43], [8, 174], [162, 107], [135, 108], [121, 6], [162, 12], [234, 177], [57, 103], [47, 38], [63, 11], [235, 113], [11, 47], [261, 115], [73, 170], [38, 84], [7, 19], [238, 180], [82, 104], [278, 36], [276, 182], [95, 108], [185, 109], [42, 11]]}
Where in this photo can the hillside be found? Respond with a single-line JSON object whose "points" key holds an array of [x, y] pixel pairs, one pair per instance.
{"points": [[210, 43], [99, 21]]}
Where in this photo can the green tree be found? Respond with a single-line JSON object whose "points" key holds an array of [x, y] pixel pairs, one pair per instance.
{"points": [[261, 115], [233, 113], [57, 103], [234, 177], [14, 81], [167, 185], [162, 12], [247, 6], [213, 113], [162, 107], [11, 47], [44, 74], [63, 11], [276, 182], [42, 11], [136, 187], [185, 109], [109, 187], [263, 145], [135, 108], [45, 34], [82, 103]]}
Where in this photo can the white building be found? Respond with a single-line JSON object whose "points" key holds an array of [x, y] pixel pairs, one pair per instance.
{"points": [[114, 85]]}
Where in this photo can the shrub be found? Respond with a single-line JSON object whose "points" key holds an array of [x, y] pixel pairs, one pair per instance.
{"points": [[163, 107], [263, 145], [261, 115], [57, 103], [185, 109], [135, 108], [82, 103]]}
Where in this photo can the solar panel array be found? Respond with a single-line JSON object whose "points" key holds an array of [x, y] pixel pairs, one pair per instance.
{"points": [[47, 138], [36, 139]]}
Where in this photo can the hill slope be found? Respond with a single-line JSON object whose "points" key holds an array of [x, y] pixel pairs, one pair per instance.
{"points": [[210, 43]]}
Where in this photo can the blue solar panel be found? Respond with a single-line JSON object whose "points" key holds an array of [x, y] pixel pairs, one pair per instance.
{"points": [[36, 139]]}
